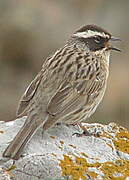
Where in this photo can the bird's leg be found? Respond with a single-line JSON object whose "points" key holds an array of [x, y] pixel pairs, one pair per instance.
{"points": [[86, 132], [42, 132]]}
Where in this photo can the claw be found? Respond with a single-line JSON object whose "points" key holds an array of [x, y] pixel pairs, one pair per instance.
{"points": [[86, 133]]}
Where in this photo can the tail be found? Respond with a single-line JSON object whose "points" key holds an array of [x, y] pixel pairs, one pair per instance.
{"points": [[15, 148]]}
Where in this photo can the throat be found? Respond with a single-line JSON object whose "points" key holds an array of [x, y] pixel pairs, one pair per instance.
{"points": [[107, 57], [104, 56]]}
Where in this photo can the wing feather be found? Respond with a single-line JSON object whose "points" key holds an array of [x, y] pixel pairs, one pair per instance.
{"points": [[74, 97], [28, 95]]}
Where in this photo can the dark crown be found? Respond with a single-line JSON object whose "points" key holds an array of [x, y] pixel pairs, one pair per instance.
{"points": [[93, 28]]}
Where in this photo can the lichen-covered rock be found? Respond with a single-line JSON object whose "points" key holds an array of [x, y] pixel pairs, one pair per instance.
{"points": [[57, 154]]}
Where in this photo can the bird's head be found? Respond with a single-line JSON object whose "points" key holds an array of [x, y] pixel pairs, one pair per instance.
{"points": [[95, 38]]}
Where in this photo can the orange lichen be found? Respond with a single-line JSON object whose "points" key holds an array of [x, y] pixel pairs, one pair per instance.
{"points": [[62, 142], [92, 174], [53, 137], [122, 145], [79, 167], [75, 170], [123, 134], [72, 146], [111, 168], [122, 141], [120, 138]]}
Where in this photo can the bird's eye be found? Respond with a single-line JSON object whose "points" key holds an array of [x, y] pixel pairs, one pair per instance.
{"points": [[97, 39]]}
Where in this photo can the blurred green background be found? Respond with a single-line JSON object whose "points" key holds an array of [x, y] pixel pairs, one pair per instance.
{"points": [[31, 30]]}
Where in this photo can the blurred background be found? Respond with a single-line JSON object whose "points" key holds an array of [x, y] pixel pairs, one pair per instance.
{"points": [[31, 30]]}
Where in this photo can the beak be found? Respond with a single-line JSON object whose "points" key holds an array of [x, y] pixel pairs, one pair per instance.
{"points": [[114, 39], [114, 48]]}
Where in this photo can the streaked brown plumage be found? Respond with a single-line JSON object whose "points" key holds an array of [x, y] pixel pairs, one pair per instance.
{"points": [[69, 86]]}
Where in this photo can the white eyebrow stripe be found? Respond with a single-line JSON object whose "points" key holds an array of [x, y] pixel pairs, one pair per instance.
{"points": [[90, 33]]}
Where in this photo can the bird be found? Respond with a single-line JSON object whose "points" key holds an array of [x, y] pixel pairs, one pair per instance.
{"points": [[69, 86]]}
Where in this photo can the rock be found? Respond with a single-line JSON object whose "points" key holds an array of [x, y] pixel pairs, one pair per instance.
{"points": [[59, 155]]}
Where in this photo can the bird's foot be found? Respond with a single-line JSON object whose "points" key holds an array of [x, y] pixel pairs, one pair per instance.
{"points": [[86, 133]]}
